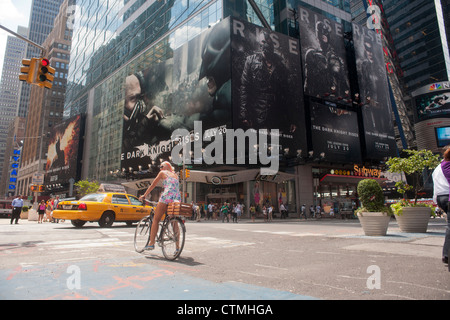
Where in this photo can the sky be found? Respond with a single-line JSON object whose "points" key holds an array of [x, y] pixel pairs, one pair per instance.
{"points": [[13, 13]]}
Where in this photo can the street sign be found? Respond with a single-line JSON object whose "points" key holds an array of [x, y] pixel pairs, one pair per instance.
{"points": [[38, 178]]}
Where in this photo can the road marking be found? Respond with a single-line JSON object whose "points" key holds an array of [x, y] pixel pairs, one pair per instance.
{"points": [[271, 267], [196, 241]]}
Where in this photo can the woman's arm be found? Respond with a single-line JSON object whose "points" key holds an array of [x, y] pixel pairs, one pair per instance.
{"points": [[153, 185]]}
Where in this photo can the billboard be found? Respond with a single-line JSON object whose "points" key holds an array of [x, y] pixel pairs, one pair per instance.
{"points": [[335, 134], [213, 88], [63, 150], [266, 84], [324, 57], [433, 105], [374, 94], [193, 85]]}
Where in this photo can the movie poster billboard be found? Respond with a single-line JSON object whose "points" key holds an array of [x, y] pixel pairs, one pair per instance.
{"points": [[63, 151], [374, 94], [335, 133], [433, 105], [266, 78], [191, 87], [324, 57]]}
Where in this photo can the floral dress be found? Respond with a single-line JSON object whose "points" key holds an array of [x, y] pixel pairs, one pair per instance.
{"points": [[171, 191]]}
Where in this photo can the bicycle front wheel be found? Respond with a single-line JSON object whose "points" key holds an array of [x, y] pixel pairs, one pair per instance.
{"points": [[142, 234], [172, 238]]}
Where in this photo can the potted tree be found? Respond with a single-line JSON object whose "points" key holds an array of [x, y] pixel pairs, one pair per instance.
{"points": [[374, 216], [411, 215]]}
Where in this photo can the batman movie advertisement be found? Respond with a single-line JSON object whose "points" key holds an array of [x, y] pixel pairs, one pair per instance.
{"points": [[266, 84], [63, 150], [324, 58], [373, 94], [193, 86], [335, 133]]}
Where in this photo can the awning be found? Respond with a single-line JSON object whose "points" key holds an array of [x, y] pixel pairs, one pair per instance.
{"points": [[345, 179], [219, 178]]}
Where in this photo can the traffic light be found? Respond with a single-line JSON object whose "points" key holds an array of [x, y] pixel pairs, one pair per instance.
{"points": [[41, 188], [34, 188], [44, 74], [187, 173], [28, 70]]}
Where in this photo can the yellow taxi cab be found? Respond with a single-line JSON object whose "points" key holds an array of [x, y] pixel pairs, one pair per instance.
{"points": [[104, 208]]}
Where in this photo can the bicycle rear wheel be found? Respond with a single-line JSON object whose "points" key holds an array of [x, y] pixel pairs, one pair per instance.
{"points": [[142, 234], [172, 238]]}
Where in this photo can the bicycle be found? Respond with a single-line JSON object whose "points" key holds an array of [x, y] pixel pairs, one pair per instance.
{"points": [[172, 232]]}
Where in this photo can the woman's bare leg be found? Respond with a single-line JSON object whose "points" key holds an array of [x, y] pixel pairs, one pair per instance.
{"points": [[159, 211]]}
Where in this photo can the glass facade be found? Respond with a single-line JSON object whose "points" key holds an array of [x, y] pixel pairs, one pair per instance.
{"points": [[416, 34], [102, 60], [108, 34]]}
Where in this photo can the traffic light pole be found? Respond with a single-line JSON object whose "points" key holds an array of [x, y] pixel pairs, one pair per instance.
{"points": [[24, 39]]}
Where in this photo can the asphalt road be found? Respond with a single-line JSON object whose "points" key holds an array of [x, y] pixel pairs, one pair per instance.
{"points": [[283, 260]]}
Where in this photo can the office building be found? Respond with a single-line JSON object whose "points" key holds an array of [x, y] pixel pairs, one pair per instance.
{"points": [[42, 15], [420, 36], [332, 134], [10, 88], [46, 105]]}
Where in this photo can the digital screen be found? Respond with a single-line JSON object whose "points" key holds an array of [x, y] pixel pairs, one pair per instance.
{"points": [[443, 136]]}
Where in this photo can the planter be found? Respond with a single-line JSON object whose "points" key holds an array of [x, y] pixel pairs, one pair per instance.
{"points": [[24, 215], [374, 223], [414, 219], [32, 215]]}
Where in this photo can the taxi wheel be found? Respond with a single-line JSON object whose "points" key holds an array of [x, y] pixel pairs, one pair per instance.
{"points": [[106, 220], [77, 223]]}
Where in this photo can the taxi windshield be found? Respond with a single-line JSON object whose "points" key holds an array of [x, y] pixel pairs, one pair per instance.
{"points": [[96, 197]]}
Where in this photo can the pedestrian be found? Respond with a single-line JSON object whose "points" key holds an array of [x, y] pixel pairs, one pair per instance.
{"points": [[210, 211], [234, 213], [264, 211], [303, 211], [253, 212], [441, 194], [17, 205], [197, 212], [41, 211], [269, 212], [202, 212], [311, 211], [48, 210], [318, 211], [224, 212], [238, 211], [215, 211], [55, 206], [283, 211]]}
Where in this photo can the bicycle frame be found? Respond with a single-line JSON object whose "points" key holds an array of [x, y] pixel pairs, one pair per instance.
{"points": [[171, 236]]}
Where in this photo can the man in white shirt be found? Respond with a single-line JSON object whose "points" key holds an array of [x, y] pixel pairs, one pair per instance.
{"points": [[440, 197], [17, 205]]}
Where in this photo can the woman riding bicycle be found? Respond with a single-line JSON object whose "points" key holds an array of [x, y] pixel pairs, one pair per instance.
{"points": [[170, 194]]}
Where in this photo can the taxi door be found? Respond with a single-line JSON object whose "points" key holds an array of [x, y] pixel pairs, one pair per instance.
{"points": [[121, 206], [138, 211]]}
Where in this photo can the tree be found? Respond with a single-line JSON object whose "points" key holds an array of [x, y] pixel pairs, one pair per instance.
{"points": [[414, 165], [84, 187]]}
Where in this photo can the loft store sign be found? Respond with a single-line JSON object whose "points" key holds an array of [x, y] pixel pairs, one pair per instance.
{"points": [[217, 180]]}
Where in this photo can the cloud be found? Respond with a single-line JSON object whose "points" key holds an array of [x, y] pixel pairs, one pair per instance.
{"points": [[10, 13]]}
